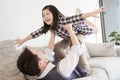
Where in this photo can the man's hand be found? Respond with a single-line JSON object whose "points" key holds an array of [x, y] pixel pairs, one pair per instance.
{"points": [[67, 27], [71, 34]]}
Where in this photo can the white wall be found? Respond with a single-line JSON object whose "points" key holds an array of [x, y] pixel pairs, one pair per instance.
{"points": [[18, 18]]}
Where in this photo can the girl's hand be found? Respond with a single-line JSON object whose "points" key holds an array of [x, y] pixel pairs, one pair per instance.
{"points": [[100, 10], [93, 13], [19, 41]]}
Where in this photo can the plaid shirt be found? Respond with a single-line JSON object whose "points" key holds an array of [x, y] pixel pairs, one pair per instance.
{"points": [[78, 25]]}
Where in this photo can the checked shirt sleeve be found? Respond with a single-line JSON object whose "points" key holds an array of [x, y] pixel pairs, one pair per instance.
{"points": [[36, 33], [70, 19]]}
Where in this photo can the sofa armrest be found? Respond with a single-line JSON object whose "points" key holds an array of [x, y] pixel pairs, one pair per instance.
{"points": [[96, 74], [118, 50]]}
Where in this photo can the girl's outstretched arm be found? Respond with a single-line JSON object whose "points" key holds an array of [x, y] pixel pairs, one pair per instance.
{"points": [[32, 35], [94, 13], [78, 17], [21, 41]]}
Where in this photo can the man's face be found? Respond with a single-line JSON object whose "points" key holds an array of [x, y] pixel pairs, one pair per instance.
{"points": [[41, 56]]}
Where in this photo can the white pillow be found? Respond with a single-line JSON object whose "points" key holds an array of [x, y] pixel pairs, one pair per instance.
{"points": [[101, 49]]}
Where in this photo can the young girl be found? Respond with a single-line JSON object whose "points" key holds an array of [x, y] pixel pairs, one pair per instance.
{"points": [[54, 21]]}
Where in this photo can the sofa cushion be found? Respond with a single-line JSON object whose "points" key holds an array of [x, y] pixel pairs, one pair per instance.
{"points": [[96, 74], [118, 50], [85, 50], [8, 58], [83, 45], [109, 64], [101, 49]]}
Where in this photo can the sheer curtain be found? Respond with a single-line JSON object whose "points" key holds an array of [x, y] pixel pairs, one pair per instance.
{"points": [[111, 18]]}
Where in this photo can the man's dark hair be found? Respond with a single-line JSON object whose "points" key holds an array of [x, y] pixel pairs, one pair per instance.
{"points": [[56, 14], [27, 63]]}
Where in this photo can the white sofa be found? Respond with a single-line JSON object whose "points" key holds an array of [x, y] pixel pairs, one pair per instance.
{"points": [[104, 60], [105, 65]]}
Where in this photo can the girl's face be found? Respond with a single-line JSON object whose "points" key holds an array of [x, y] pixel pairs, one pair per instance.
{"points": [[47, 17]]}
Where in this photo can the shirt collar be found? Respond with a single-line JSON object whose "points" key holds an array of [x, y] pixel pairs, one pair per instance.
{"points": [[48, 68]]}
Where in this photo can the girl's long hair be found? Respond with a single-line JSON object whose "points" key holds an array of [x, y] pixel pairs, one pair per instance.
{"points": [[56, 14]]}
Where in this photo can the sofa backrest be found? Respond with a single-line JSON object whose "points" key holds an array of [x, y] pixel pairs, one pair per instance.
{"points": [[102, 49], [8, 58]]}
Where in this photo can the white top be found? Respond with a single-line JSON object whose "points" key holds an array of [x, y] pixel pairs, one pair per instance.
{"points": [[67, 64]]}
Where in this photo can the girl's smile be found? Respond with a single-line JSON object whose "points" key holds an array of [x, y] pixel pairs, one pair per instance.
{"points": [[47, 17]]}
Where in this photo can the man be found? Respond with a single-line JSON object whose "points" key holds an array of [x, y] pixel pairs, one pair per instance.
{"points": [[42, 64]]}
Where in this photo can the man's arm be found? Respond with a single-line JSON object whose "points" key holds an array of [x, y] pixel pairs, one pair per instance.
{"points": [[49, 50], [70, 61], [72, 35], [51, 41]]}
